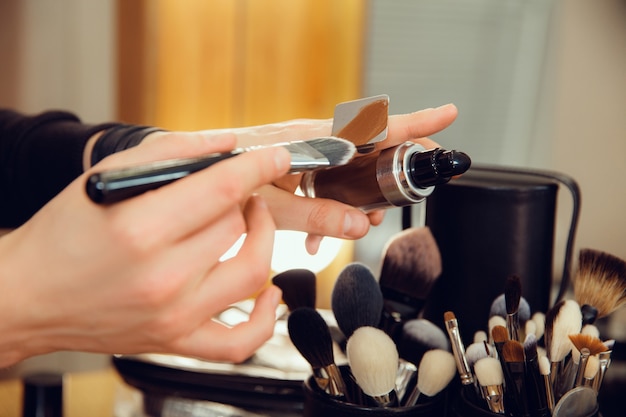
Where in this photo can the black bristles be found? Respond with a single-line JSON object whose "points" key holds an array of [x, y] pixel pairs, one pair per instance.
{"points": [[512, 294], [356, 299], [298, 287], [310, 334]]}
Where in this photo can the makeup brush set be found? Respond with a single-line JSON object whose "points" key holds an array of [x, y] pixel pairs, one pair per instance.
{"points": [[544, 364]]}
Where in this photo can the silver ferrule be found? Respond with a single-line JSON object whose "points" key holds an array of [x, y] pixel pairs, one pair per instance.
{"points": [[605, 361], [494, 395], [392, 175], [458, 351], [336, 386]]}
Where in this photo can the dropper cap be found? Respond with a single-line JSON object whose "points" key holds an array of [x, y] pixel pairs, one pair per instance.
{"points": [[437, 166]]}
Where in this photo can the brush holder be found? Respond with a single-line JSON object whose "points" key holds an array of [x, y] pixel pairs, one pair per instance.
{"points": [[319, 403], [490, 224]]}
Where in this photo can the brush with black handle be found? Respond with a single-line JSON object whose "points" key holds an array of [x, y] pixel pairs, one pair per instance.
{"points": [[299, 286], [112, 186]]}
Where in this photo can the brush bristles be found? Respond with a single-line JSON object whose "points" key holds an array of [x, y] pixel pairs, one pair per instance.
{"points": [[435, 371], [356, 299], [499, 334], [600, 281], [449, 316], [411, 263], [373, 360], [544, 365], [338, 151], [512, 294], [310, 334], [564, 319], [298, 287], [592, 368], [513, 351], [594, 344], [488, 371]]}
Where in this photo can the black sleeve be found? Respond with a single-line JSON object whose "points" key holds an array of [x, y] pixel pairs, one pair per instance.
{"points": [[39, 156]]}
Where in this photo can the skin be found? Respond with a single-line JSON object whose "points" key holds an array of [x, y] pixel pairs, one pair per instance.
{"points": [[144, 275]]}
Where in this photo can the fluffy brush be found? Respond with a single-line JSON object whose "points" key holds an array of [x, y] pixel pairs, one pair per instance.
{"points": [[411, 265], [434, 373], [562, 320], [298, 286], [599, 284], [491, 380]]}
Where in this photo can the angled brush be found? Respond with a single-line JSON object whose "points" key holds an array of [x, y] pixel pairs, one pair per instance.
{"points": [[310, 334], [116, 185], [298, 287], [356, 299], [411, 265], [599, 284]]}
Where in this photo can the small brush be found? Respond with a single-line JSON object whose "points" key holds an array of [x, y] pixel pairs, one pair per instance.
{"points": [[373, 360], [605, 362], [458, 350], [310, 334], [116, 185], [562, 320], [298, 287], [512, 297], [591, 371], [496, 321], [356, 299], [435, 371], [514, 361], [535, 384], [410, 267], [588, 346], [498, 308], [544, 369], [599, 284], [491, 380], [499, 335], [475, 352]]}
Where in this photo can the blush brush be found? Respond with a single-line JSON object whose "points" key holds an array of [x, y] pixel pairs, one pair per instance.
{"points": [[599, 284], [310, 334], [411, 265], [436, 369], [298, 287], [562, 320]]}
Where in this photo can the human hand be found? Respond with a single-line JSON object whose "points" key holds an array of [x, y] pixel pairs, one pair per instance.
{"points": [[143, 275], [323, 217]]}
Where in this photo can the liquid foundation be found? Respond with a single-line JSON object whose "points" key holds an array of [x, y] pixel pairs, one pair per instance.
{"points": [[394, 177]]}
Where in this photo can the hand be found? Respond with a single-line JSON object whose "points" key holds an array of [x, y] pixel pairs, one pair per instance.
{"points": [[322, 217], [143, 275]]}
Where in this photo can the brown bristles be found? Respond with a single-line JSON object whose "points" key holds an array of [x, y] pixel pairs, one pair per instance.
{"points": [[594, 344], [600, 281], [513, 351], [448, 316], [512, 294], [499, 334]]}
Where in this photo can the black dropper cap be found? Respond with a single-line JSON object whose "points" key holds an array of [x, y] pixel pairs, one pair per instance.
{"points": [[43, 395], [437, 166]]}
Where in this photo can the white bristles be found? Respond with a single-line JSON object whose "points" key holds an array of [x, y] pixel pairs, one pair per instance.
{"points": [[435, 371], [592, 368], [488, 371], [373, 360], [591, 330], [539, 319], [544, 365], [480, 336], [530, 328], [475, 352], [568, 321]]}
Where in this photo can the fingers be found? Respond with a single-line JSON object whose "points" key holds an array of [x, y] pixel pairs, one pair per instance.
{"points": [[186, 206], [420, 124]]}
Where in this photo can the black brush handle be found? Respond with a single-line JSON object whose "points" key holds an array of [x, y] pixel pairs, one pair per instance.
{"points": [[116, 185]]}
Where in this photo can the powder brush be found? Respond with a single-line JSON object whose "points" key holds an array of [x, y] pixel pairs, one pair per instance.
{"points": [[298, 287], [599, 284], [562, 320], [490, 377], [356, 299], [411, 265], [434, 373], [373, 360], [310, 334], [119, 184]]}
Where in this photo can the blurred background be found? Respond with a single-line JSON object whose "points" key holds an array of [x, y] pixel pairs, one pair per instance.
{"points": [[538, 84]]}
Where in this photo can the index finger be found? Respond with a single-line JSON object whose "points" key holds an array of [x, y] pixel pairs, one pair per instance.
{"points": [[423, 123]]}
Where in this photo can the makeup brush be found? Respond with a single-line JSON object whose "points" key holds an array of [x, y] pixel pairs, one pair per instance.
{"points": [[298, 287], [591, 371], [434, 373], [373, 360], [475, 352], [539, 318], [480, 336], [535, 384], [499, 335], [599, 284], [310, 334], [604, 363], [356, 299], [458, 350], [410, 267], [498, 308], [496, 321], [512, 297], [544, 369], [562, 320], [513, 355], [588, 346], [489, 374], [116, 185]]}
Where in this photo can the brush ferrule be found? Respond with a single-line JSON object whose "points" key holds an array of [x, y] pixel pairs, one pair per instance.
{"points": [[605, 361], [512, 326], [580, 373], [458, 350], [549, 393], [387, 400], [494, 395], [336, 386]]}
